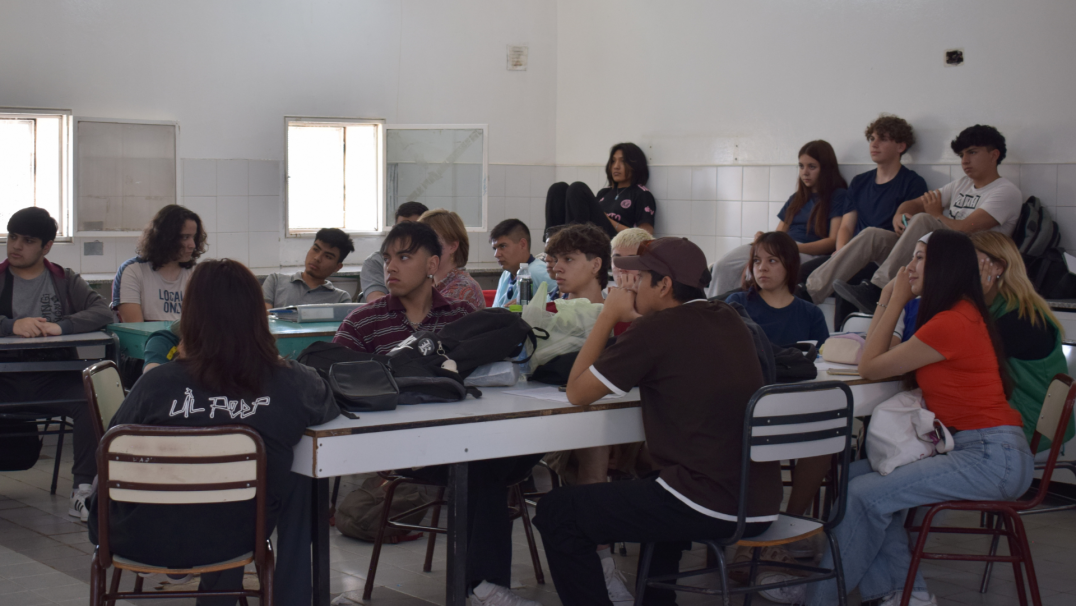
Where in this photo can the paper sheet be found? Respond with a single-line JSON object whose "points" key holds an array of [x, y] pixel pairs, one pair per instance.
{"points": [[547, 393]]}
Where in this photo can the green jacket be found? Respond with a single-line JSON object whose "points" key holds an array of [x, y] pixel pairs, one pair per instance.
{"points": [[1031, 379]]}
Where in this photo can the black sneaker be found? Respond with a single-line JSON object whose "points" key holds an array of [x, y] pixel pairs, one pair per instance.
{"points": [[864, 296]]}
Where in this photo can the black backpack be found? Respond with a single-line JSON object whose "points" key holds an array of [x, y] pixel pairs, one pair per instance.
{"points": [[485, 336], [795, 362], [1050, 275], [424, 373], [20, 445]]}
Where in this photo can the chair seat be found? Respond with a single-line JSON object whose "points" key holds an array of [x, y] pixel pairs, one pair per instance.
{"points": [[236, 562], [786, 529]]}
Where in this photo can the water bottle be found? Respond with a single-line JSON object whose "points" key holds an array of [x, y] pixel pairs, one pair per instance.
{"points": [[523, 283]]}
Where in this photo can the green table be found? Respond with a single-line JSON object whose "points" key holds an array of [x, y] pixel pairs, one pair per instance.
{"points": [[291, 337]]}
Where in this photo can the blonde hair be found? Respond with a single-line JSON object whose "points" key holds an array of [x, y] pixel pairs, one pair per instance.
{"points": [[1014, 286], [630, 238], [450, 227]]}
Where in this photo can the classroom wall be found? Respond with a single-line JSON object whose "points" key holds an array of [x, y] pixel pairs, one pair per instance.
{"points": [[229, 72]]}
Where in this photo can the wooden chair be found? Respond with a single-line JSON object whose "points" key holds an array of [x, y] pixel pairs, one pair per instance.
{"points": [[782, 422], [1053, 420], [518, 508], [181, 466], [104, 394]]}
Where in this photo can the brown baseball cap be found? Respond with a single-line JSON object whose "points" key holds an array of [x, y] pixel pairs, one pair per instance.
{"points": [[679, 258]]}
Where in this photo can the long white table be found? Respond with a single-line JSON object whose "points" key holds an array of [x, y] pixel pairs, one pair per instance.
{"points": [[497, 425]]}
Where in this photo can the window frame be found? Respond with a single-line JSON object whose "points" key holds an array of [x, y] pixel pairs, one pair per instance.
{"points": [[66, 219], [74, 171], [485, 164], [309, 233]]}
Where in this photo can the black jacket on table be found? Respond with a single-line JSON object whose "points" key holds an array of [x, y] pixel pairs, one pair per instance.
{"points": [[293, 397]]}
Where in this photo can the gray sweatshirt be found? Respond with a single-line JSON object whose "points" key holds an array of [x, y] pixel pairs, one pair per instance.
{"points": [[83, 309]]}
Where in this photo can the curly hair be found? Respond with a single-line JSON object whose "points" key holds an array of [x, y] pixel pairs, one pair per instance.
{"points": [[979, 135], [894, 128], [588, 240], [159, 244]]}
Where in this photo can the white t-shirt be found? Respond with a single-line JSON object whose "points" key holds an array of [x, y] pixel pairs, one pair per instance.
{"points": [[1000, 199], [160, 299]]}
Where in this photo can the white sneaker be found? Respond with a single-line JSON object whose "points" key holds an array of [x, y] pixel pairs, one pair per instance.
{"points": [[78, 502], [796, 594], [488, 594], [915, 600], [616, 585]]}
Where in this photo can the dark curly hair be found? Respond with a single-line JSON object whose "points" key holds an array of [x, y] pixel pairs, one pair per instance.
{"points": [[634, 158], [159, 244], [891, 127], [588, 240], [979, 135]]}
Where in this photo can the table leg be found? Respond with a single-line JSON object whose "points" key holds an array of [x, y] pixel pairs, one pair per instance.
{"points": [[319, 534], [456, 585]]}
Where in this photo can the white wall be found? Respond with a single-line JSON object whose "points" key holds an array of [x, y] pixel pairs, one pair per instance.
{"points": [[698, 82]]}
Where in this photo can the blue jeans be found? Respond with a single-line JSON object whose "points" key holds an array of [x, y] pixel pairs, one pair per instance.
{"points": [[985, 464]]}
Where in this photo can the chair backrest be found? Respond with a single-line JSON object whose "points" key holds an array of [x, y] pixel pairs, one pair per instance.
{"points": [[795, 421], [104, 394], [856, 322], [1054, 419], [181, 466]]}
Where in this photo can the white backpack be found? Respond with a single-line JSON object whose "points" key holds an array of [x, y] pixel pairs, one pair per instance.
{"points": [[902, 431]]}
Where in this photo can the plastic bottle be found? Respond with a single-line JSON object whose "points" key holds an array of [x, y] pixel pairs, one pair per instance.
{"points": [[523, 284]]}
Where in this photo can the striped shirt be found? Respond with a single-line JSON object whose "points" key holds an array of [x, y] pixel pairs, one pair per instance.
{"points": [[379, 326]]}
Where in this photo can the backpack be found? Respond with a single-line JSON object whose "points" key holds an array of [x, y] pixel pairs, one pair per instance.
{"points": [[424, 373], [1050, 275], [487, 335], [359, 514], [795, 362], [1035, 232]]}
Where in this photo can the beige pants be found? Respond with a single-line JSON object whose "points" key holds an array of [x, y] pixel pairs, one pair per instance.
{"points": [[872, 245]]}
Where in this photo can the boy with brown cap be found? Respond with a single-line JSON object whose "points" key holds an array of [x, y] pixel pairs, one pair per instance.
{"points": [[692, 415]]}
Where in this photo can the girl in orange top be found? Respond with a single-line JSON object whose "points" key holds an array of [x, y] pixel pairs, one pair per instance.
{"points": [[956, 357]]}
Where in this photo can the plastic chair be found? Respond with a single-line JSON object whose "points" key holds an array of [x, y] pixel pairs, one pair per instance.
{"points": [[856, 322], [181, 466], [1053, 420], [104, 394], [518, 506], [782, 422]]}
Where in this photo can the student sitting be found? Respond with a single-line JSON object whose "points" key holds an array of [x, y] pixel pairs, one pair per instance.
{"points": [[980, 201], [625, 203], [230, 362], [693, 427], [1030, 333], [812, 216], [151, 290], [451, 279], [41, 299], [325, 257], [372, 278], [957, 360], [412, 252], [626, 244], [580, 262], [769, 293], [511, 242]]}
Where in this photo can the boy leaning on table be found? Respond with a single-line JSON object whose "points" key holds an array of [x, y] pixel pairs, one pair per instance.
{"points": [[40, 299], [692, 416]]}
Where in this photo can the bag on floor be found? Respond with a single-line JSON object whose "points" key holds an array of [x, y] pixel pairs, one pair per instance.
{"points": [[20, 445], [903, 431], [359, 514]]}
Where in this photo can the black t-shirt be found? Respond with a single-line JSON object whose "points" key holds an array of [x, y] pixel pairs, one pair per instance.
{"points": [[1022, 339], [695, 383], [631, 206], [293, 398]]}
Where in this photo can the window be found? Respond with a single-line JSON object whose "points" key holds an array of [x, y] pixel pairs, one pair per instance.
{"points": [[126, 173], [440, 166], [335, 175], [35, 164]]}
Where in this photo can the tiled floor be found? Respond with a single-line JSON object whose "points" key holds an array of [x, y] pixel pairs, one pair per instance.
{"points": [[45, 558]]}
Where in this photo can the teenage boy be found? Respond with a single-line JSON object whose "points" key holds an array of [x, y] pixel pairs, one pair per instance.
{"points": [[979, 201], [579, 256], [412, 252], [511, 242], [372, 278], [312, 285], [41, 299], [693, 421]]}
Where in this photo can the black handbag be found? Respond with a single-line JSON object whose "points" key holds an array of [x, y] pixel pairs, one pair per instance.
{"points": [[363, 386]]}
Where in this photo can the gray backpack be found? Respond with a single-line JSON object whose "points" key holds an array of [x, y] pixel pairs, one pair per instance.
{"points": [[359, 514], [1035, 232]]}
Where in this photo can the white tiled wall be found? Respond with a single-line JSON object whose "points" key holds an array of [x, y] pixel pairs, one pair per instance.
{"points": [[718, 207]]}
